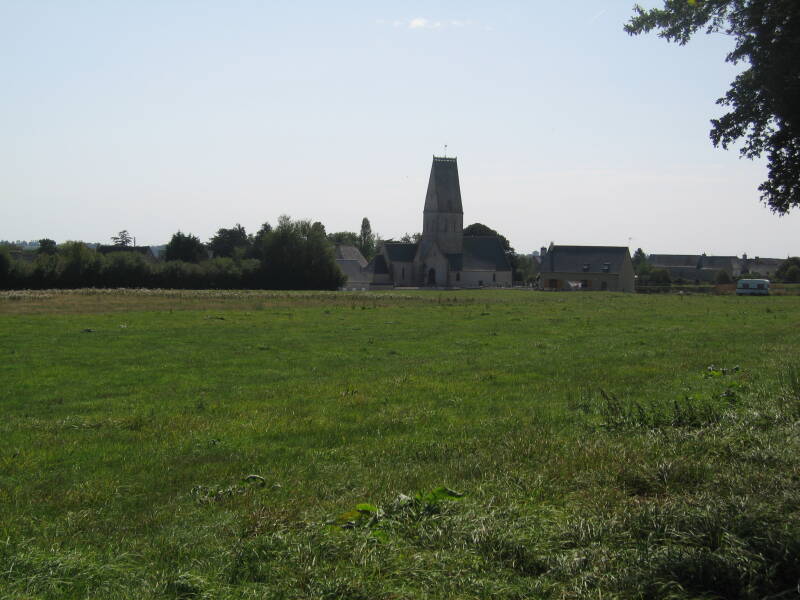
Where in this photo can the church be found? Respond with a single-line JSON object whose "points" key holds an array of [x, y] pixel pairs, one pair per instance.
{"points": [[443, 257]]}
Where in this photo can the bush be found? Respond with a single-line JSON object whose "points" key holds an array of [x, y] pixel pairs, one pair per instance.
{"points": [[5, 267], [126, 269]]}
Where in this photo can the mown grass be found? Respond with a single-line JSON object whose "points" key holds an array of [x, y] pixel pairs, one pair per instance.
{"points": [[606, 445]]}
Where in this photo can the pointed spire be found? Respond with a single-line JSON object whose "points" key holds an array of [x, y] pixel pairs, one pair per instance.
{"points": [[444, 190]]}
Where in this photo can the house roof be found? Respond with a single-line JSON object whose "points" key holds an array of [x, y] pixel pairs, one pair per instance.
{"points": [[484, 252], [674, 260], [348, 252], [584, 259], [351, 269], [378, 266], [718, 262], [400, 251], [444, 190]]}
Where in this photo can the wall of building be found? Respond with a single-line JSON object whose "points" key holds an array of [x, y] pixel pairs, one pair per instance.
{"points": [[403, 274], [595, 281], [483, 278]]}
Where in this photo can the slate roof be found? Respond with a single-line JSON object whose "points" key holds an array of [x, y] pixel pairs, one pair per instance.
{"points": [[354, 272], [347, 252], [674, 260], [584, 259], [719, 262], [444, 190], [378, 265], [484, 252], [401, 251]]}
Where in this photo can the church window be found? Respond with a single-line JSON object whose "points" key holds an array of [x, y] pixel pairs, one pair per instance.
{"points": [[403, 273], [494, 276], [458, 276]]}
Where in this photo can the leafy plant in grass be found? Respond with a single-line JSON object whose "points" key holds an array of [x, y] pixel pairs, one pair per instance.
{"points": [[402, 508]]}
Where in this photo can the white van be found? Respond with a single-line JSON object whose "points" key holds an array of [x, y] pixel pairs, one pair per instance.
{"points": [[752, 287]]}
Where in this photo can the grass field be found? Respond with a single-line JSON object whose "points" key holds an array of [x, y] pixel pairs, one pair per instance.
{"points": [[504, 444]]}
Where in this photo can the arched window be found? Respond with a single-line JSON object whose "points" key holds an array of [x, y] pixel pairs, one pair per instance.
{"points": [[403, 273]]}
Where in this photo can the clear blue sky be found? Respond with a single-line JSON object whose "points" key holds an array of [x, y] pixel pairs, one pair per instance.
{"points": [[155, 116]]}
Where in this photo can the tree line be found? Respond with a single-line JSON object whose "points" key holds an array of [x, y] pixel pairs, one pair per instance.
{"points": [[295, 254]]}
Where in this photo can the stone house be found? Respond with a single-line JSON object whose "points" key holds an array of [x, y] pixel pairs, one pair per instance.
{"points": [[604, 268]]}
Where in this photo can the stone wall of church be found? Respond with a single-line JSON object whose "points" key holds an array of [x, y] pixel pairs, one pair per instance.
{"points": [[484, 278]]}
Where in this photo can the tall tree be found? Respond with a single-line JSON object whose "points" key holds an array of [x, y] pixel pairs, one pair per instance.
{"points": [[366, 239], [185, 247], [5, 266], [297, 255], [230, 242], [123, 238], [639, 260], [764, 99], [47, 246]]}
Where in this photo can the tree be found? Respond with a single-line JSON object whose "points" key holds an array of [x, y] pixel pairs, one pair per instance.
{"points": [[123, 238], [792, 274], [723, 277], [47, 246], [783, 272], [411, 238], [366, 239], [297, 255], [658, 277], [639, 260], [765, 98], [230, 242], [347, 238], [187, 248], [5, 266]]}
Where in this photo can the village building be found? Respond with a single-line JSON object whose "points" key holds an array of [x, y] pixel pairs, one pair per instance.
{"points": [[701, 268], [443, 257], [586, 268]]}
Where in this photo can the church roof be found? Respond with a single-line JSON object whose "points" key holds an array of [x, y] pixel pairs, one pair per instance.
{"points": [[484, 252], [378, 265], [354, 272], [444, 190], [348, 252], [400, 251], [586, 259]]}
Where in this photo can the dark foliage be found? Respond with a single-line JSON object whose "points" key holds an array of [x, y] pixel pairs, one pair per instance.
{"points": [[5, 266], [366, 240], [298, 255], [47, 246], [347, 238], [723, 277], [788, 271], [764, 99], [123, 238], [230, 243], [185, 247]]}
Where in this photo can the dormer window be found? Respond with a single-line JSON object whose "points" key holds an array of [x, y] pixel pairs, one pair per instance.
{"points": [[606, 267], [585, 267]]}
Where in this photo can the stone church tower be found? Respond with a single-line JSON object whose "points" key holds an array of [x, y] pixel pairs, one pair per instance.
{"points": [[443, 216], [443, 258]]}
